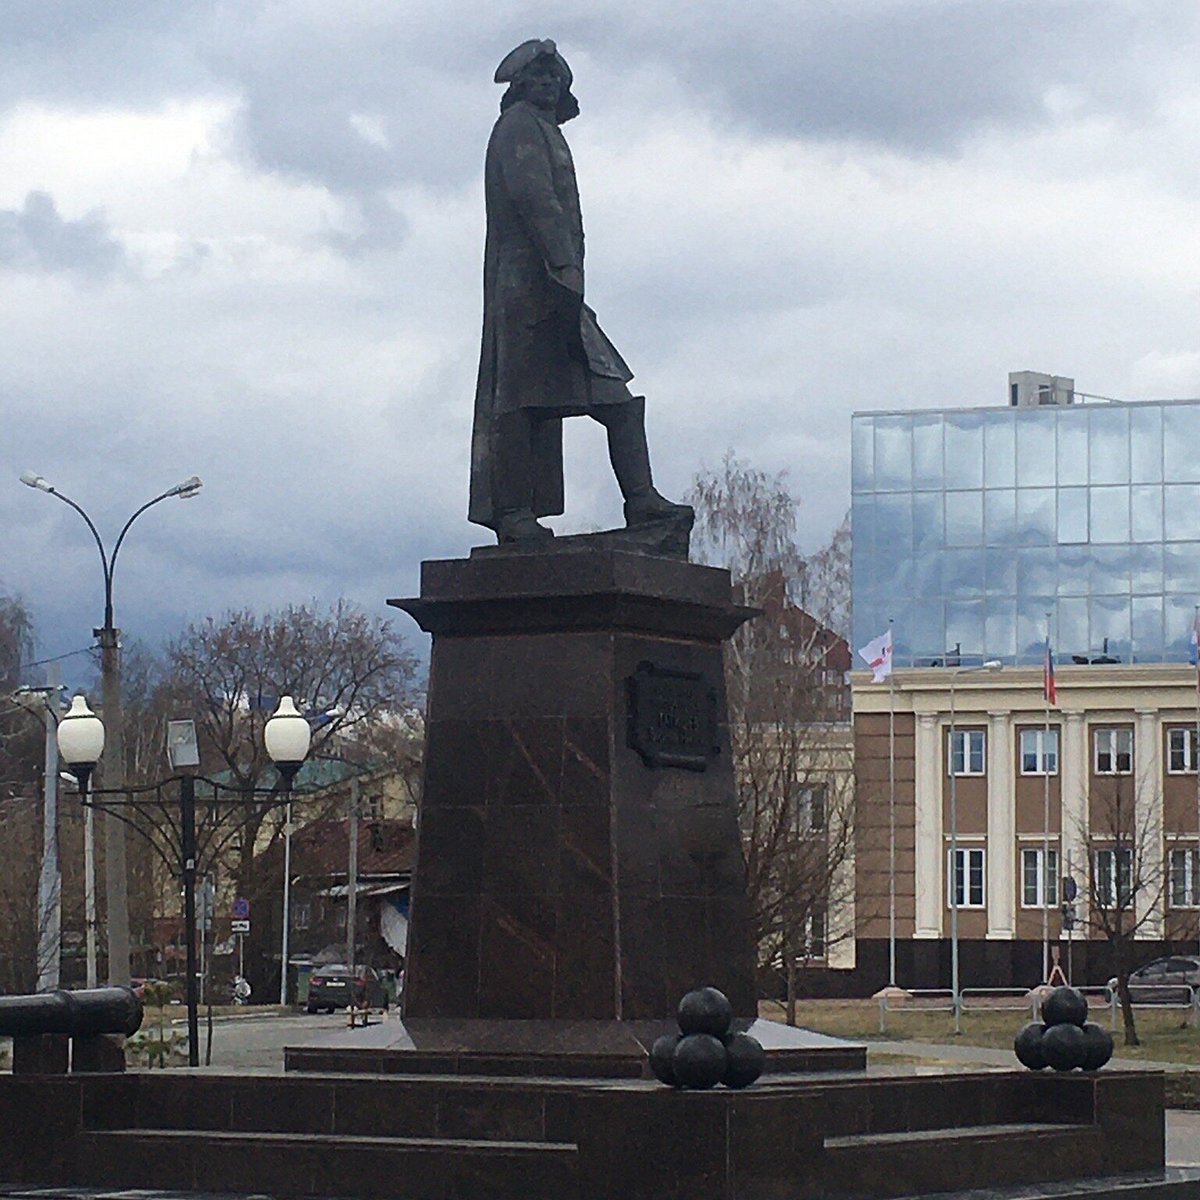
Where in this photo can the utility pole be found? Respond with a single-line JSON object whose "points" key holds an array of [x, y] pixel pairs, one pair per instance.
{"points": [[352, 877], [116, 874]]}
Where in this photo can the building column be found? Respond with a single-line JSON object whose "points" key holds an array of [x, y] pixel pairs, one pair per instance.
{"points": [[1148, 821], [929, 856], [1001, 830], [1073, 777]]}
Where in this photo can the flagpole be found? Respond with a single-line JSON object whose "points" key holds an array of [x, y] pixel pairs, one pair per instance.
{"points": [[1046, 813], [892, 806]]}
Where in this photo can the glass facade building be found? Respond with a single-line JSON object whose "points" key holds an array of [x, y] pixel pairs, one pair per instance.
{"points": [[972, 524]]}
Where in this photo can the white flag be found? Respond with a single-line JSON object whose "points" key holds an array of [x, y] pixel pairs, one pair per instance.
{"points": [[878, 656]]}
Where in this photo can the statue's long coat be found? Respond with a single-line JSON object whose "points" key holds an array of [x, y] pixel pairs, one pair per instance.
{"points": [[542, 348]]}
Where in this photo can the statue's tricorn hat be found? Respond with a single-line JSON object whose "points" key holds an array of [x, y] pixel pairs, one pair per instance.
{"points": [[515, 61]]}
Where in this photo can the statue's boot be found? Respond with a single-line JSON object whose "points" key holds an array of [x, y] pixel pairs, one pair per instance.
{"points": [[513, 476], [630, 456]]}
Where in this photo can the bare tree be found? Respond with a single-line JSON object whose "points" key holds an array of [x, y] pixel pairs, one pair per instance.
{"points": [[788, 707], [348, 670], [1126, 879]]}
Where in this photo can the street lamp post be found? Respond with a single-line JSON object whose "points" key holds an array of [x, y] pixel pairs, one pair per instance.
{"points": [[81, 741], [287, 736], [108, 637], [955, 994]]}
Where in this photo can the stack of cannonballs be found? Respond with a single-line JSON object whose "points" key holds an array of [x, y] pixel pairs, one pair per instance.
{"points": [[1065, 1038], [706, 1052]]}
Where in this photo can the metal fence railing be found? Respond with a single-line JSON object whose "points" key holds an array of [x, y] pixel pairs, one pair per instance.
{"points": [[1101, 1000]]}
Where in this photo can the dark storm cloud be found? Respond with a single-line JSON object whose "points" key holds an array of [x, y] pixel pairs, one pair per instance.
{"points": [[921, 75], [36, 237]]}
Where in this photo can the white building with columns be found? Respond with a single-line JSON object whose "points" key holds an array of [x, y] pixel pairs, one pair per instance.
{"points": [[987, 800]]}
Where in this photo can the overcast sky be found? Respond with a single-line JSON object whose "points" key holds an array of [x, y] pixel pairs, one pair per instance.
{"points": [[244, 240]]}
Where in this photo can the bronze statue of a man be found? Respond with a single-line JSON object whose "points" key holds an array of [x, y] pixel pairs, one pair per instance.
{"points": [[544, 356]]}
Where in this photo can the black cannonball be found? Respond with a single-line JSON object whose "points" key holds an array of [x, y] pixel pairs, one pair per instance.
{"points": [[1097, 1046], [699, 1061], [705, 1010], [1065, 1006], [744, 1060], [1028, 1046], [661, 1055], [1063, 1047]]}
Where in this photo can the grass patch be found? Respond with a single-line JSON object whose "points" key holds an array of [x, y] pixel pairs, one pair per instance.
{"points": [[1164, 1034]]}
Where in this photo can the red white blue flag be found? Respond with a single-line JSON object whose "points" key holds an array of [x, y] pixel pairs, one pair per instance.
{"points": [[1049, 686]]}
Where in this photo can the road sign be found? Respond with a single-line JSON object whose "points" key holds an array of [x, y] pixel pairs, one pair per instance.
{"points": [[1070, 887], [240, 926], [241, 908]]}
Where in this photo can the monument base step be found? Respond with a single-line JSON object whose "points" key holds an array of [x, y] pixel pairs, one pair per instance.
{"points": [[566, 1049]]}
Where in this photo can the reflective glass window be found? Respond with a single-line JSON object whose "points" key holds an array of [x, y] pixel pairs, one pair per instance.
{"points": [[1072, 514], [1147, 614], [1178, 614], [928, 527], [1000, 450], [862, 452], [893, 524], [1111, 625], [893, 453], [927, 630], [1036, 570], [962, 572], [1146, 517], [1074, 567], [1145, 443], [1031, 627], [1181, 567], [1181, 436], [1181, 512], [1001, 571], [1000, 517], [927, 573], [1035, 448], [1000, 627], [964, 450], [927, 451], [1108, 444], [964, 518], [1146, 567], [964, 626], [1110, 515], [1071, 627], [1072, 446], [1110, 570], [1035, 516]]}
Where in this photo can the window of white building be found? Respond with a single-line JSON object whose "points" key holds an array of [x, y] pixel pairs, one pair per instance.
{"points": [[966, 877], [1114, 878], [1185, 879], [1114, 751], [1039, 880], [1039, 751], [1181, 751], [967, 755]]}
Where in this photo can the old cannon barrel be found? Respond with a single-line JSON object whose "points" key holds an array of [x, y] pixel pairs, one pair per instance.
{"points": [[79, 1014]]}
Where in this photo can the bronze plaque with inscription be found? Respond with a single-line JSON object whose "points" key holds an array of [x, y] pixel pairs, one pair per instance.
{"points": [[672, 718]]}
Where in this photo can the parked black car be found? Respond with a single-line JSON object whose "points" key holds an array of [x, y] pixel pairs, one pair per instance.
{"points": [[333, 986], [1163, 981]]}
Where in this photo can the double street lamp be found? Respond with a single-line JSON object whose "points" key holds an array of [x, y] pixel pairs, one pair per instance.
{"points": [[81, 742], [956, 876], [108, 637]]}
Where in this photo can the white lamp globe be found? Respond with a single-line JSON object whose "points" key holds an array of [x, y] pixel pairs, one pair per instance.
{"points": [[80, 735], [287, 735]]}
